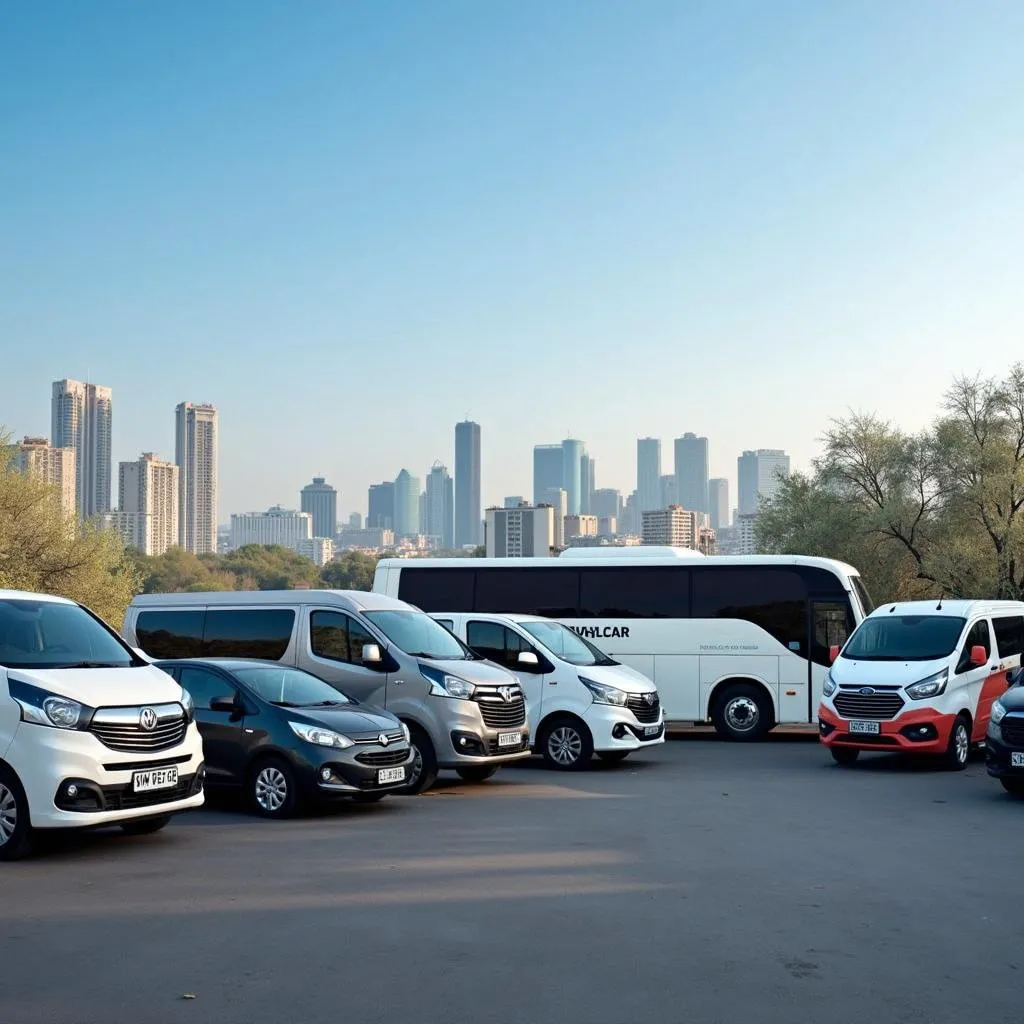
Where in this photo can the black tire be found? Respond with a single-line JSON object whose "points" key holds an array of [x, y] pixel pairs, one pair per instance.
{"points": [[423, 770], [1013, 786], [614, 756], [368, 798], [145, 826], [958, 750], [476, 773], [15, 823], [272, 788], [844, 755], [565, 744], [742, 713]]}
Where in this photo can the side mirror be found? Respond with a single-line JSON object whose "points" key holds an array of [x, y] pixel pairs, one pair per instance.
{"points": [[223, 704], [528, 658], [833, 653], [978, 656], [372, 654]]}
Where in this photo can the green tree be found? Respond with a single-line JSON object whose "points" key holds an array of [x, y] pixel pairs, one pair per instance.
{"points": [[178, 571], [351, 570], [270, 567]]}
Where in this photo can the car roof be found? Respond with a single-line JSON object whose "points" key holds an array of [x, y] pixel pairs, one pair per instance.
{"points": [[27, 595], [225, 663], [350, 600], [958, 609], [495, 616]]}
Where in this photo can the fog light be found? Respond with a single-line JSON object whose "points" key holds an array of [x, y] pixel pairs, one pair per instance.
{"points": [[462, 741], [72, 791], [325, 774], [618, 731]]}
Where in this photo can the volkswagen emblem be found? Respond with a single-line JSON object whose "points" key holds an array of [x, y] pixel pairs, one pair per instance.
{"points": [[508, 694], [147, 719], [866, 691], [650, 698], [383, 740]]}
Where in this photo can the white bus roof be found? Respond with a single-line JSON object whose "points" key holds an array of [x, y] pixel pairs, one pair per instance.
{"points": [[618, 551]]}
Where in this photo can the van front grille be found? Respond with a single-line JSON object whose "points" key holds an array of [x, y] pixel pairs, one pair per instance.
{"points": [[383, 758], [882, 705], [131, 738], [499, 714], [645, 712]]}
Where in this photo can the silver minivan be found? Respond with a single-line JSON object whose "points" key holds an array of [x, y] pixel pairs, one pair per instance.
{"points": [[463, 713]]}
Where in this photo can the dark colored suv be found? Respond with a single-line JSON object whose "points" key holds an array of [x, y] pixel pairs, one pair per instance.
{"points": [[1004, 741]]}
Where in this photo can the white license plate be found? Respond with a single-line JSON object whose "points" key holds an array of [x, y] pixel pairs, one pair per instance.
{"points": [[155, 778], [868, 728], [510, 739], [652, 730], [386, 775], [1016, 759]]}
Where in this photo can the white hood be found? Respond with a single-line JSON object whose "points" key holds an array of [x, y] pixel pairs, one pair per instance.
{"points": [[621, 676], [104, 687], [847, 672]]}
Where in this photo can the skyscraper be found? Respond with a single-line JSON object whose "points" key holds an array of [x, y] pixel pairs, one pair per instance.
{"points": [[606, 503], [407, 504], [55, 466], [758, 475], [648, 474], [439, 506], [467, 484], [718, 499], [547, 470], [195, 452], [572, 473], [320, 500], [692, 472], [80, 418], [147, 490], [587, 485], [381, 506], [667, 490]]}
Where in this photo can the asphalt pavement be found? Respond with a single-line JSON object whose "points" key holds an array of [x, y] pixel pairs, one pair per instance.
{"points": [[705, 882]]}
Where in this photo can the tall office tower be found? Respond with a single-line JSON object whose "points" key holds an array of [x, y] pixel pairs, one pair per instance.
{"points": [[381, 506], [631, 516], [407, 504], [558, 499], [147, 489], [668, 493], [440, 506], [80, 418], [355, 521], [606, 503], [572, 475], [195, 452], [587, 485], [547, 470], [36, 457], [468, 523], [718, 500], [692, 472], [320, 500], [758, 475], [648, 474]]}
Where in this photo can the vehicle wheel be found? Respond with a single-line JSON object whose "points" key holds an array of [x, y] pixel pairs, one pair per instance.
{"points": [[958, 752], [15, 825], [145, 826], [844, 755], [476, 773], [614, 756], [423, 770], [1014, 786], [566, 744], [368, 798], [742, 713], [272, 790]]}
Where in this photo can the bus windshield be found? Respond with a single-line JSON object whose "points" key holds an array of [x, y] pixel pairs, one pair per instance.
{"points": [[565, 644], [905, 638]]}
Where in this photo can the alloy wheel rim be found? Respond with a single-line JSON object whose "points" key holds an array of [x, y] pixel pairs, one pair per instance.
{"points": [[271, 789], [565, 745], [8, 814], [742, 714], [962, 743]]}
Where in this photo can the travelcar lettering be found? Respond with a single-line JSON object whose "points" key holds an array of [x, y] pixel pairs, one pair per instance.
{"points": [[594, 632]]}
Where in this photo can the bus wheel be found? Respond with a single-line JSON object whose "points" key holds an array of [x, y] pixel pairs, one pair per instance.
{"points": [[844, 755], [742, 713]]}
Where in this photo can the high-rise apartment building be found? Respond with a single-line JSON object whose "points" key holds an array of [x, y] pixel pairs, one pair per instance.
{"points": [[407, 504], [440, 522], [588, 475], [758, 475], [675, 527], [381, 508], [149, 489], [36, 457], [520, 532], [195, 452], [467, 484], [559, 501], [668, 492], [606, 502], [648, 474], [283, 526], [718, 502], [547, 470], [320, 500], [317, 549], [572, 473], [80, 418], [691, 454]]}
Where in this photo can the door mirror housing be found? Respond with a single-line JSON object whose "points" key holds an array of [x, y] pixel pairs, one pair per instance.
{"points": [[833, 653], [528, 659], [978, 656], [372, 655], [224, 704]]}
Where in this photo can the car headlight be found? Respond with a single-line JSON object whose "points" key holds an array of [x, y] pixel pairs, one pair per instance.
{"points": [[829, 686], [604, 694], [405, 732], [40, 707], [444, 685], [188, 705], [320, 737], [998, 712], [931, 686]]}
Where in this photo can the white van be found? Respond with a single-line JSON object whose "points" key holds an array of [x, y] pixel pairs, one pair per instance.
{"points": [[921, 677], [91, 734], [578, 700]]}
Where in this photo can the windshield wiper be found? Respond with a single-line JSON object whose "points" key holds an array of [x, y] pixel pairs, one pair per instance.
{"points": [[92, 664], [285, 704], [324, 704]]}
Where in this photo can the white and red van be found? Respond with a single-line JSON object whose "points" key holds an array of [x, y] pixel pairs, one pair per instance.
{"points": [[920, 677]]}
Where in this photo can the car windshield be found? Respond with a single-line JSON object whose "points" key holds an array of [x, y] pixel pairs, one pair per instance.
{"points": [[289, 687], [904, 638], [417, 634], [51, 634], [563, 643]]}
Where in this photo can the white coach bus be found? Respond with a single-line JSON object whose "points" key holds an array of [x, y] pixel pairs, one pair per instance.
{"points": [[743, 642]]}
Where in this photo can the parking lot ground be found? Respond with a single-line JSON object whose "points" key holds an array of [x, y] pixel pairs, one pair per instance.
{"points": [[705, 882]]}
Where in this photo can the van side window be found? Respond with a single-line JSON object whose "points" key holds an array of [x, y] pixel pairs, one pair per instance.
{"points": [[978, 636], [1009, 635], [170, 634], [338, 637], [495, 642], [248, 632]]}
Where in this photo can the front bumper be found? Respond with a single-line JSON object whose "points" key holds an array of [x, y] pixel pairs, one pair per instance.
{"points": [[468, 739], [999, 757], [616, 728], [922, 731], [354, 770]]}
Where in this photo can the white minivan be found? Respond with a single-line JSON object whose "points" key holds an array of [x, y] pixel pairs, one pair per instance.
{"points": [[91, 734], [579, 701]]}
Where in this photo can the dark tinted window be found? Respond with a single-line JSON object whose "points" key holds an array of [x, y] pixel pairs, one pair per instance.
{"points": [[170, 634], [773, 598], [831, 622], [247, 632], [552, 592], [328, 635], [496, 642], [203, 685], [979, 635], [655, 592], [438, 590], [1009, 635]]}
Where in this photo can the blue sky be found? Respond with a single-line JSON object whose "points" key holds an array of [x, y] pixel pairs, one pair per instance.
{"points": [[351, 224]]}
